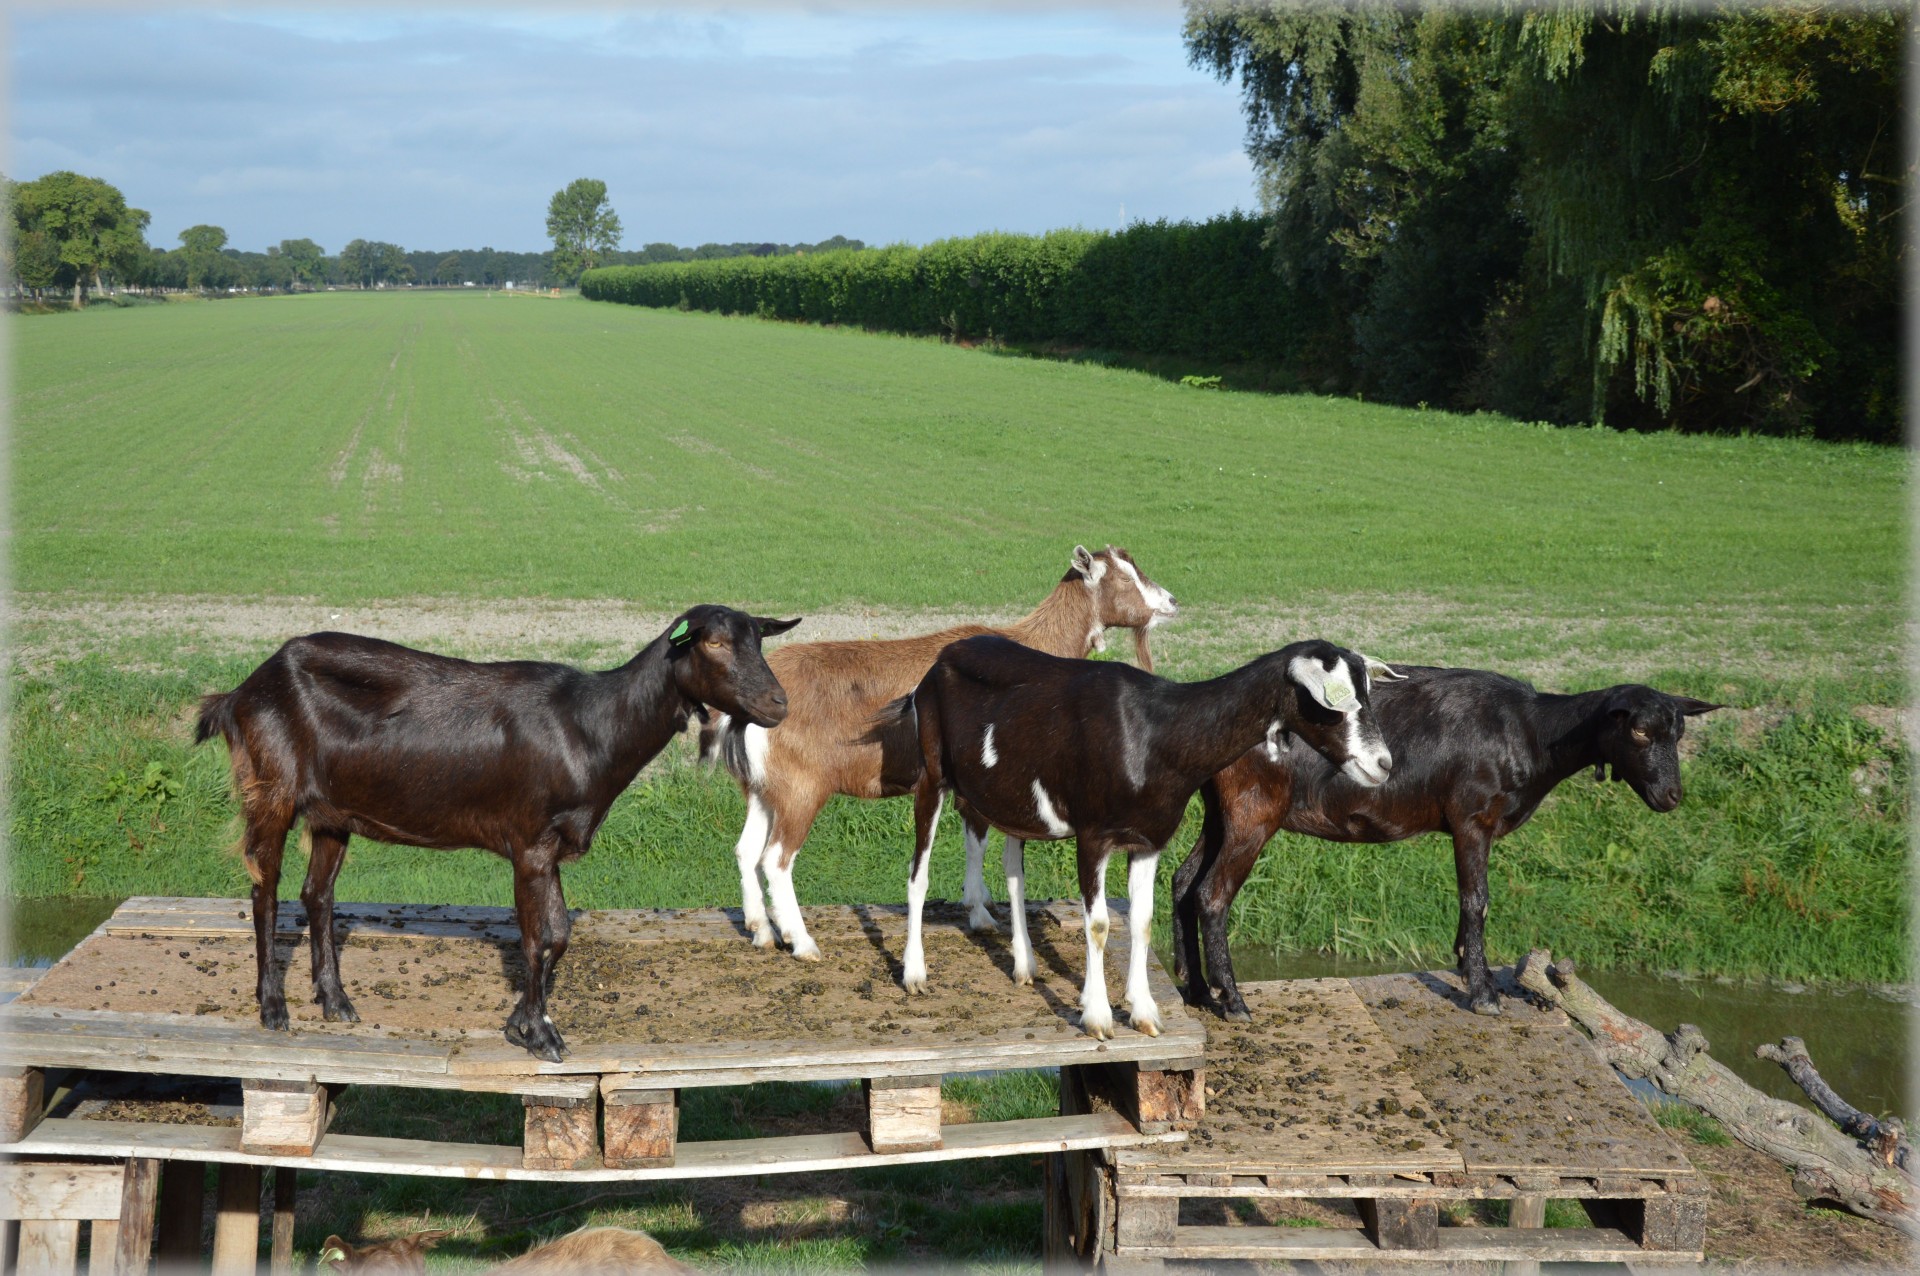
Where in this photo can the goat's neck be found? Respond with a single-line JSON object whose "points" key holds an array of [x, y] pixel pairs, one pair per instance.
{"points": [[1065, 623], [1570, 732], [635, 710], [1215, 721]]}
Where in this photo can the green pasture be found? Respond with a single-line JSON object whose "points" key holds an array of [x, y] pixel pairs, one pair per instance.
{"points": [[463, 449]]}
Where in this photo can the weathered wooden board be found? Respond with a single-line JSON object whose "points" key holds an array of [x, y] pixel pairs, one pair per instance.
{"points": [[60, 1191], [1310, 1083], [433, 992], [368, 1154], [1452, 1245], [1523, 1091]]}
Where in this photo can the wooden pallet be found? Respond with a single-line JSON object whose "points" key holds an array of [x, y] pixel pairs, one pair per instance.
{"points": [[609, 1110], [1386, 1097]]}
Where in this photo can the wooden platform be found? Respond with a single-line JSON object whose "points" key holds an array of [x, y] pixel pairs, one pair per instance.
{"points": [[1385, 1099], [650, 1003]]}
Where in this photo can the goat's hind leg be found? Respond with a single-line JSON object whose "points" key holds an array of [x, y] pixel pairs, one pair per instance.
{"points": [[974, 894], [328, 851], [1096, 1012], [1470, 847], [266, 842]]}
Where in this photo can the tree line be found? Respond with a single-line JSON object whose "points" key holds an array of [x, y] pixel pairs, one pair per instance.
{"points": [[72, 235]]}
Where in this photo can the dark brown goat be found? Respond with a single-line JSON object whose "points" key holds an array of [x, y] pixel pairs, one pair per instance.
{"points": [[1477, 751], [1041, 747], [522, 758]]}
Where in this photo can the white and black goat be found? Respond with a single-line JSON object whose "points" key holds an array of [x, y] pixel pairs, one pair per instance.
{"points": [[1045, 748]]}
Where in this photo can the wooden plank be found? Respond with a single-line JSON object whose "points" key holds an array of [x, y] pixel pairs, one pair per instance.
{"points": [[1521, 1093], [1667, 1223], [139, 1201], [103, 1239], [1148, 1221], [1527, 1211], [53, 1191], [1452, 1245], [236, 1222], [285, 1189], [61, 1136], [23, 1101], [561, 1134], [283, 1117], [183, 1197], [903, 1113], [49, 1247]]}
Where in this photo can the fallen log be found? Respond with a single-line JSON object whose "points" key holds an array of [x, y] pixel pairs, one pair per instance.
{"points": [[1887, 1138], [1826, 1164]]}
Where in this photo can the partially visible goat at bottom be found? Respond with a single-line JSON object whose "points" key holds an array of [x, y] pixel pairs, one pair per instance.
{"points": [[591, 1251]]}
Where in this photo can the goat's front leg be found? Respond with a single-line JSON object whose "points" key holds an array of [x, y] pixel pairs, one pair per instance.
{"points": [[1471, 844], [1013, 858], [542, 912], [1096, 1012], [1141, 869], [747, 852], [927, 800], [974, 894], [329, 850], [792, 821]]}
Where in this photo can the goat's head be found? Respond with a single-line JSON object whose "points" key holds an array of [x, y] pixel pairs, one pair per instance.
{"points": [[401, 1257], [1640, 739], [1123, 596], [1332, 708], [715, 656]]}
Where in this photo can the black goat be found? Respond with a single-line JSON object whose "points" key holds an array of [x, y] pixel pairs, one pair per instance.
{"points": [[522, 758], [1041, 747], [1477, 753]]}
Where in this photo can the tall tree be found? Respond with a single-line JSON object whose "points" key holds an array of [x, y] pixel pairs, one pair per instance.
{"points": [[86, 222], [305, 259], [583, 226], [201, 245]]}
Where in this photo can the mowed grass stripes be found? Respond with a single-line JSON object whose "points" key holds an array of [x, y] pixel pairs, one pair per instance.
{"points": [[374, 446]]}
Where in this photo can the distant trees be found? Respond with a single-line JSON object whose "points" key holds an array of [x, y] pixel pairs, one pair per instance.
{"points": [[71, 228], [200, 252], [448, 271], [371, 262], [583, 226], [306, 261]]}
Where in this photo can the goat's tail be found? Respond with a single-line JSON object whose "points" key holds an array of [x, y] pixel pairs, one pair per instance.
{"points": [[896, 729], [216, 717]]}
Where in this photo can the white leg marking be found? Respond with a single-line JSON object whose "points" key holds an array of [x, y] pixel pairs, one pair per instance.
{"points": [[975, 894], [1013, 857], [987, 755], [753, 840], [1049, 818], [1140, 874], [786, 906], [1096, 1012], [914, 975]]}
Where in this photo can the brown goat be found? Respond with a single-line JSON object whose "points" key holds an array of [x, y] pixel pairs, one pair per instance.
{"points": [[835, 691], [592, 1251]]}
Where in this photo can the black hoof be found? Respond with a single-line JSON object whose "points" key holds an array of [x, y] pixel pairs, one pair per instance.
{"points": [[340, 1011], [543, 1044], [1237, 1012], [1488, 1005], [274, 1015]]}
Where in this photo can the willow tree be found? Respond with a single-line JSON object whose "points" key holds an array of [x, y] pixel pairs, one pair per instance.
{"points": [[1647, 214]]}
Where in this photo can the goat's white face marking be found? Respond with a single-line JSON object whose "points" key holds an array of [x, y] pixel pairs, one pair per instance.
{"points": [[1049, 818], [987, 756], [1158, 600]]}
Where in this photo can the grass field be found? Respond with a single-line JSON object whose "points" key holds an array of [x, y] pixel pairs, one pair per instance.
{"points": [[465, 458]]}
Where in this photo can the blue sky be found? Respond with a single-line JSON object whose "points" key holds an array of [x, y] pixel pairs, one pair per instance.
{"points": [[448, 127]]}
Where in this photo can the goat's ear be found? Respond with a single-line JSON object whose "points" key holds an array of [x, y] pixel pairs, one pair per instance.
{"points": [[1380, 668], [768, 626], [683, 633], [1693, 708], [427, 1240], [1332, 688], [1087, 565], [334, 1252]]}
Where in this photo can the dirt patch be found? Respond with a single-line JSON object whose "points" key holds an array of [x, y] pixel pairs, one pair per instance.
{"points": [[1757, 1223], [610, 991]]}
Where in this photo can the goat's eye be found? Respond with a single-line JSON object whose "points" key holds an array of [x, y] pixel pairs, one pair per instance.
{"points": [[1640, 736], [717, 644]]}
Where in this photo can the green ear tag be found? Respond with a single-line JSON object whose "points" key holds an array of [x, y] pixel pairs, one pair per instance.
{"points": [[679, 636]]}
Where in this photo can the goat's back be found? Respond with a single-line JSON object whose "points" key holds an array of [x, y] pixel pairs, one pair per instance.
{"points": [[593, 1251]]}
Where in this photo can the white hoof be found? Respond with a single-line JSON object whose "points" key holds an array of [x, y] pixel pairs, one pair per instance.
{"points": [[1023, 976], [806, 950], [1148, 1023], [980, 920], [762, 935], [1099, 1025]]}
